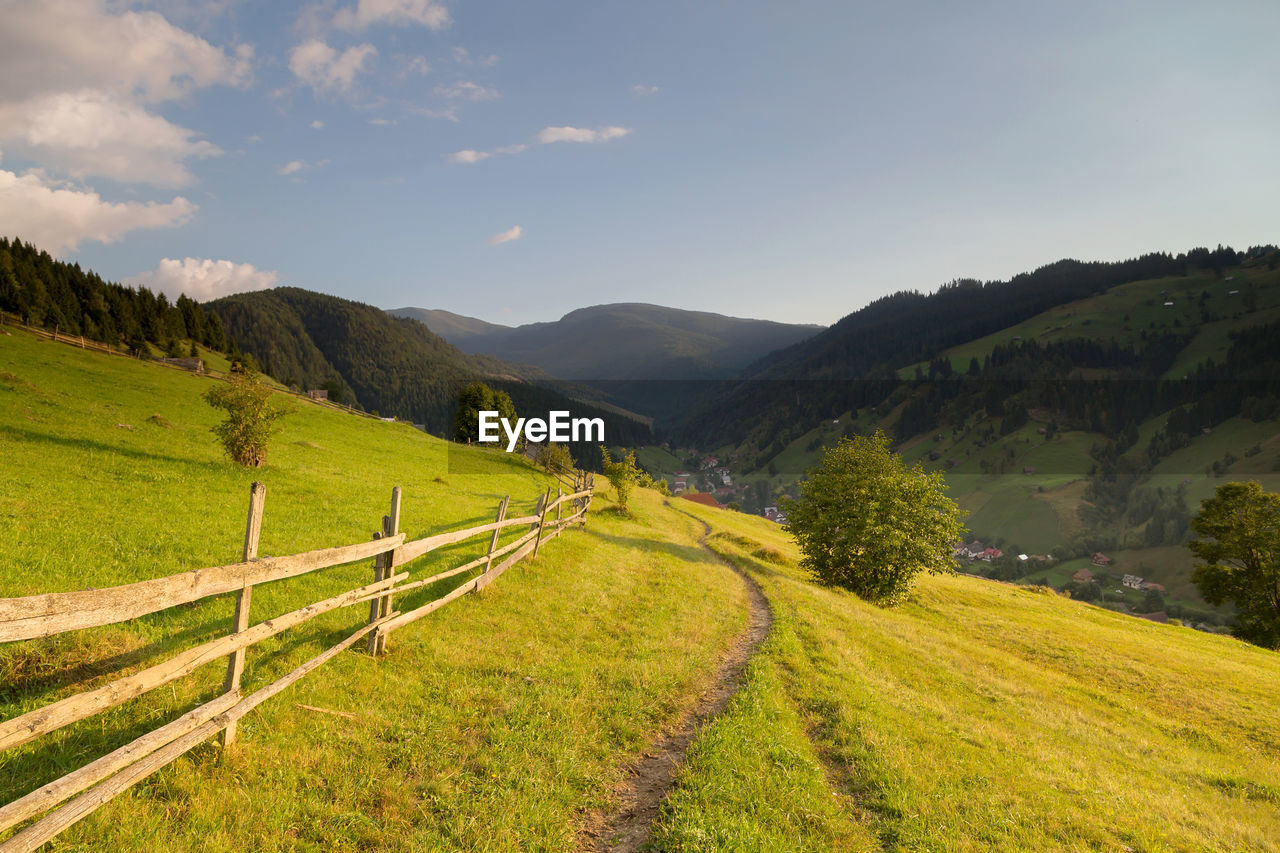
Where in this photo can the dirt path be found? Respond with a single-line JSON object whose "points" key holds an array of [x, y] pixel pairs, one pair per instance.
{"points": [[648, 780]]}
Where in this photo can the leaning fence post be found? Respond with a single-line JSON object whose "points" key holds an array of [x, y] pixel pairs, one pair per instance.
{"points": [[375, 606], [493, 540], [380, 608], [589, 484], [537, 510], [542, 520], [235, 663]]}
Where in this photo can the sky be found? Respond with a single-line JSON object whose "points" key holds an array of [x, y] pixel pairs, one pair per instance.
{"points": [[513, 160]]}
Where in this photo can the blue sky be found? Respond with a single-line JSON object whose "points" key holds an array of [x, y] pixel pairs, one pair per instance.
{"points": [[783, 160]]}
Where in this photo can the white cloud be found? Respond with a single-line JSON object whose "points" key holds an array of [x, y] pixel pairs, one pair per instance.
{"points": [[94, 133], [449, 113], [462, 56], [413, 65], [293, 167], [467, 90], [324, 69], [381, 122], [513, 233], [58, 218], [468, 155], [203, 279], [544, 137], [76, 79], [645, 91], [317, 124], [580, 134], [65, 45], [366, 13]]}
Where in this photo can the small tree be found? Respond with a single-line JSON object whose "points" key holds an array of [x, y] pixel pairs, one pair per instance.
{"points": [[252, 416], [474, 399], [1239, 549], [554, 457], [623, 474], [504, 405], [867, 523]]}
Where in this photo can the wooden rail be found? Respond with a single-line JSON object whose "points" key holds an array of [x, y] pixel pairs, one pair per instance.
{"points": [[57, 612], [101, 780]]}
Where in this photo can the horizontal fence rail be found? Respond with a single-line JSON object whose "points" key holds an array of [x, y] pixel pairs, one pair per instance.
{"points": [[38, 616], [57, 612]]}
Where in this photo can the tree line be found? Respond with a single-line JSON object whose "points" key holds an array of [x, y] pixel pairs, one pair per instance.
{"points": [[56, 295], [854, 363]]}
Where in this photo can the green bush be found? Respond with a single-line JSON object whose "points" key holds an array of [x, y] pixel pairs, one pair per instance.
{"points": [[252, 416], [623, 474], [867, 523]]}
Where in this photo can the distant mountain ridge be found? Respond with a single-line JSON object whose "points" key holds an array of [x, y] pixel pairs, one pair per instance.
{"points": [[622, 341], [386, 364], [909, 327], [454, 328]]}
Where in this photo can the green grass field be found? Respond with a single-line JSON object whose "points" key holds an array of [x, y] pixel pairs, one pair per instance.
{"points": [[976, 716], [659, 462], [980, 716], [494, 724]]}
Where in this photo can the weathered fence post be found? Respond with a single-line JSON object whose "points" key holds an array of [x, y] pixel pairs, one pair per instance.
{"points": [[383, 568], [493, 540], [588, 483], [537, 510], [542, 520], [235, 663]]}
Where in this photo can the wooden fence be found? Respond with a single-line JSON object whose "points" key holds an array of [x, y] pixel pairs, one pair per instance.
{"points": [[96, 783]]}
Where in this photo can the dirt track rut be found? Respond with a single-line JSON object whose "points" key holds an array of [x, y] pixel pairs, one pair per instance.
{"points": [[626, 829]]}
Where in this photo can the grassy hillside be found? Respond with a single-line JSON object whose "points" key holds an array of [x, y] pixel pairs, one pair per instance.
{"points": [[1204, 305], [494, 724], [978, 716]]}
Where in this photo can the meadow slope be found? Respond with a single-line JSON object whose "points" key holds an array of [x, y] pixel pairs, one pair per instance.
{"points": [[497, 723], [978, 716]]}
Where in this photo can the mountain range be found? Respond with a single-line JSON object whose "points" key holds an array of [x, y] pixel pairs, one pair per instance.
{"points": [[1077, 408], [623, 341], [395, 366]]}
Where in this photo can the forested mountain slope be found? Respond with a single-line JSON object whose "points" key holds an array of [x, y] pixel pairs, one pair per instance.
{"points": [[1096, 426], [391, 365]]}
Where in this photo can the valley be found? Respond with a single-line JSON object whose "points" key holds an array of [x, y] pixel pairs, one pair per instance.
{"points": [[973, 715]]}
